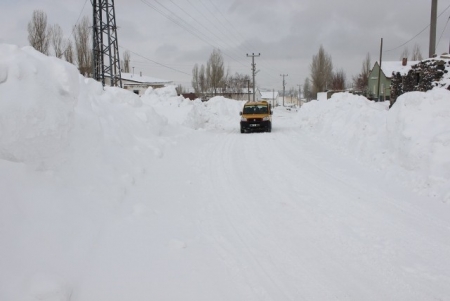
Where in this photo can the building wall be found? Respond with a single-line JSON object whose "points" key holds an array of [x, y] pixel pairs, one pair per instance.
{"points": [[241, 96], [139, 89], [385, 84]]}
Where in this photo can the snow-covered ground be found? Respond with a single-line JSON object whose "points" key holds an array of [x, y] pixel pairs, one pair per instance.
{"points": [[105, 195]]}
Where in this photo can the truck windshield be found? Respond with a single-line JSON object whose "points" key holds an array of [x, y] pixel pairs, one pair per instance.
{"points": [[257, 109]]}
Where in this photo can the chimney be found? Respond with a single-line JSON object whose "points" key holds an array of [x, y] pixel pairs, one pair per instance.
{"points": [[404, 61]]}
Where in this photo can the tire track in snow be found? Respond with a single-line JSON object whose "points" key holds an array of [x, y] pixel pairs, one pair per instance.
{"points": [[223, 182], [292, 226]]}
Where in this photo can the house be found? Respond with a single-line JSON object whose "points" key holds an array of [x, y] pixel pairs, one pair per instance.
{"points": [[241, 94], [387, 69], [139, 83], [269, 96]]}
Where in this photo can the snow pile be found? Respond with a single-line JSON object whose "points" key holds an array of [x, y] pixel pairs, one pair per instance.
{"points": [[70, 154], [215, 113], [46, 105], [411, 141], [39, 127], [418, 128], [223, 113]]}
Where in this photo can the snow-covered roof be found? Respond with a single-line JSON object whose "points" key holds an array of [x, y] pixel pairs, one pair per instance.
{"points": [[269, 95], [396, 66], [144, 79]]}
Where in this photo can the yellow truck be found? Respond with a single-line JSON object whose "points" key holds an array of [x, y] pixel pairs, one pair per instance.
{"points": [[256, 116]]}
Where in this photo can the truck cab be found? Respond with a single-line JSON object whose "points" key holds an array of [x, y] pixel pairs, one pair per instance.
{"points": [[256, 116]]}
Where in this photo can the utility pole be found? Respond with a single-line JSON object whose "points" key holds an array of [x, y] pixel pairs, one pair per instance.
{"points": [[248, 89], [299, 92], [273, 98], [434, 4], [253, 70], [284, 85], [379, 70]]}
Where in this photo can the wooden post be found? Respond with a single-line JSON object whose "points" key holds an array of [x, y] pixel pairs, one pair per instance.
{"points": [[432, 50], [379, 70]]}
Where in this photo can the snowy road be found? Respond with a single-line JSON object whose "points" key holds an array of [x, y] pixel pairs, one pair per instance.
{"points": [[110, 196], [281, 216]]}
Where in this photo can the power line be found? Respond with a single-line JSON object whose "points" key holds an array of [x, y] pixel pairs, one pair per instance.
{"points": [[241, 44], [416, 34], [263, 60], [231, 24], [169, 16], [79, 16], [194, 30], [215, 23], [198, 22], [141, 56], [448, 19]]}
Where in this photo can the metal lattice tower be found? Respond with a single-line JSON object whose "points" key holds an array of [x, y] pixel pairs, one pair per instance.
{"points": [[106, 61]]}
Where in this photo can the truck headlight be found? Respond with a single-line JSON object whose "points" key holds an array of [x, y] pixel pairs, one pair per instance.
{"points": [[267, 118], [243, 119]]}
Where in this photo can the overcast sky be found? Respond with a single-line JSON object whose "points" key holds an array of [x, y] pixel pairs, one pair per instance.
{"points": [[287, 33]]}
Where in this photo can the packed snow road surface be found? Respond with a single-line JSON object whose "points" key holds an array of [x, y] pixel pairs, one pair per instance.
{"points": [[283, 217]]}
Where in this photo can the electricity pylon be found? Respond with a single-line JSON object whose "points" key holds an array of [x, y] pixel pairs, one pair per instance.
{"points": [[106, 61]]}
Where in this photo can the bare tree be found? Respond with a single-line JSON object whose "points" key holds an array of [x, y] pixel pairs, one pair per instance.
{"points": [[307, 89], [180, 89], [361, 81], [338, 81], [405, 53], [68, 51], [202, 79], [56, 35], [238, 82], [195, 79], [215, 72], [38, 33], [126, 61], [292, 92], [321, 71], [416, 54], [82, 35]]}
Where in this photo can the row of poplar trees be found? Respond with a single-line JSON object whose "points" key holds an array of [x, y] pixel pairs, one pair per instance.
{"points": [[212, 79], [50, 40], [323, 78]]}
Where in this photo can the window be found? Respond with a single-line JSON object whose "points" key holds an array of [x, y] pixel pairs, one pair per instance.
{"points": [[256, 109]]}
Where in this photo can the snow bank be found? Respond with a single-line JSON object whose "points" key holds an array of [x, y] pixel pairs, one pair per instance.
{"points": [[213, 114], [411, 141], [71, 153], [74, 158], [45, 105], [38, 95]]}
